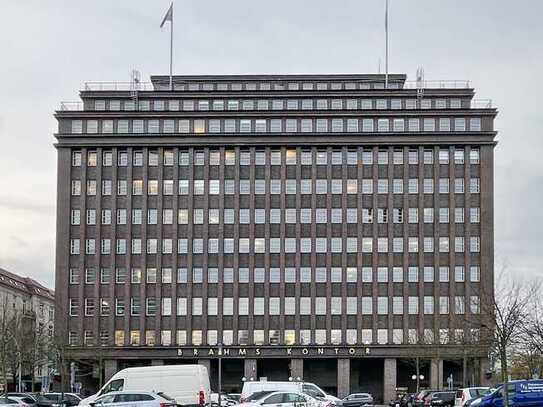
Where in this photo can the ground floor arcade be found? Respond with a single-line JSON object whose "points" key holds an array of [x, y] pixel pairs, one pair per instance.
{"points": [[380, 376]]}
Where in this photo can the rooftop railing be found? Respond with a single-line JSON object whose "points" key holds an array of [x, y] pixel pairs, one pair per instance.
{"points": [[482, 104], [125, 86], [71, 106], [453, 84], [148, 86]]}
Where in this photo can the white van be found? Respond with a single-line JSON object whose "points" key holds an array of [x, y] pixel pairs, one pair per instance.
{"points": [[187, 384], [251, 387]]}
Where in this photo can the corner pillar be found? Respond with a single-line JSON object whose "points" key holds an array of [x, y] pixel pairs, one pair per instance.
{"points": [[250, 369], [390, 374], [343, 377], [297, 368], [111, 366], [436, 374]]}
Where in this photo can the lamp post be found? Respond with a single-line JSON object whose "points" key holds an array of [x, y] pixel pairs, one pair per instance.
{"points": [[418, 378], [220, 374]]}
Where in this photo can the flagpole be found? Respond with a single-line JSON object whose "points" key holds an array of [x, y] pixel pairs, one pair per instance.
{"points": [[386, 44], [171, 50]]}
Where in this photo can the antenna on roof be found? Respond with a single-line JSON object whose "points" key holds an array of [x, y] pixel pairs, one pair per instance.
{"points": [[386, 44], [135, 81], [420, 83]]}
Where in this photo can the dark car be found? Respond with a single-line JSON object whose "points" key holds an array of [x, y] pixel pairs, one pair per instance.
{"points": [[443, 398], [358, 400], [54, 400]]}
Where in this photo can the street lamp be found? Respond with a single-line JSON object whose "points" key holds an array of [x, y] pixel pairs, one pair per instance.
{"points": [[418, 378]]}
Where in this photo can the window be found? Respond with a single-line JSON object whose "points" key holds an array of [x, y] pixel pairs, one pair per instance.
{"points": [[413, 186], [475, 124], [429, 124], [428, 274], [428, 305], [475, 244], [474, 185], [475, 215], [474, 157], [444, 124], [443, 305], [382, 305], [428, 157], [398, 125]]}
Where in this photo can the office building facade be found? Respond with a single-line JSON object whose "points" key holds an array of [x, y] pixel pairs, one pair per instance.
{"points": [[320, 227]]}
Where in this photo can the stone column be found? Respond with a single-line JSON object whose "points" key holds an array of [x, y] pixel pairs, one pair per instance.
{"points": [[484, 366], [250, 369], [436, 374], [157, 362], [389, 381], [111, 367], [343, 377], [297, 368]]}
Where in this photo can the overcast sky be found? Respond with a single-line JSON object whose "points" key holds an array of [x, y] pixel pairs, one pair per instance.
{"points": [[49, 48]]}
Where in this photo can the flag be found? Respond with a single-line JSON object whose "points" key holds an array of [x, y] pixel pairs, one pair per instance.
{"points": [[168, 16]]}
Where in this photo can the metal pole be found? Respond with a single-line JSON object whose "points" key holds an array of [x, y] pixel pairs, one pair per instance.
{"points": [[20, 368], [386, 44], [220, 374], [418, 375], [171, 53]]}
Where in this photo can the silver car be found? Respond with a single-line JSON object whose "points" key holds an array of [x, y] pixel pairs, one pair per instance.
{"points": [[12, 402], [134, 399], [283, 399]]}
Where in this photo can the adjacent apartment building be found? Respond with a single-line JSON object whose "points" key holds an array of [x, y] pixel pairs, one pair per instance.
{"points": [[323, 228], [27, 311]]}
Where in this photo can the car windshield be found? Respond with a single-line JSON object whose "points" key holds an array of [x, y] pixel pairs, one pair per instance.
{"points": [[478, 392], [53, 397], [258, 395]]}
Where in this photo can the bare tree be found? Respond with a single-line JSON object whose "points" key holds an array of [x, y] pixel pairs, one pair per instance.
{"points": [[35, 346], [10, 319], [504, 316]]}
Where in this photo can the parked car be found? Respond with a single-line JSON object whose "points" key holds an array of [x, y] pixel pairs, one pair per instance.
{"points": [[521, 393], [421, 397], [26, 400], [225, 400], [404, 400], [283, 399], [466, 395], [187, 384], [134, 399], [443, 398], [31, 396], [10, 401], [56, 400], [301, 387], [234, 396], [357, 400]]}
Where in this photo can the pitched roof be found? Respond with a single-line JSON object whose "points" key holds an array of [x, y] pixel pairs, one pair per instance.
{"points": [[25, 284]]}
